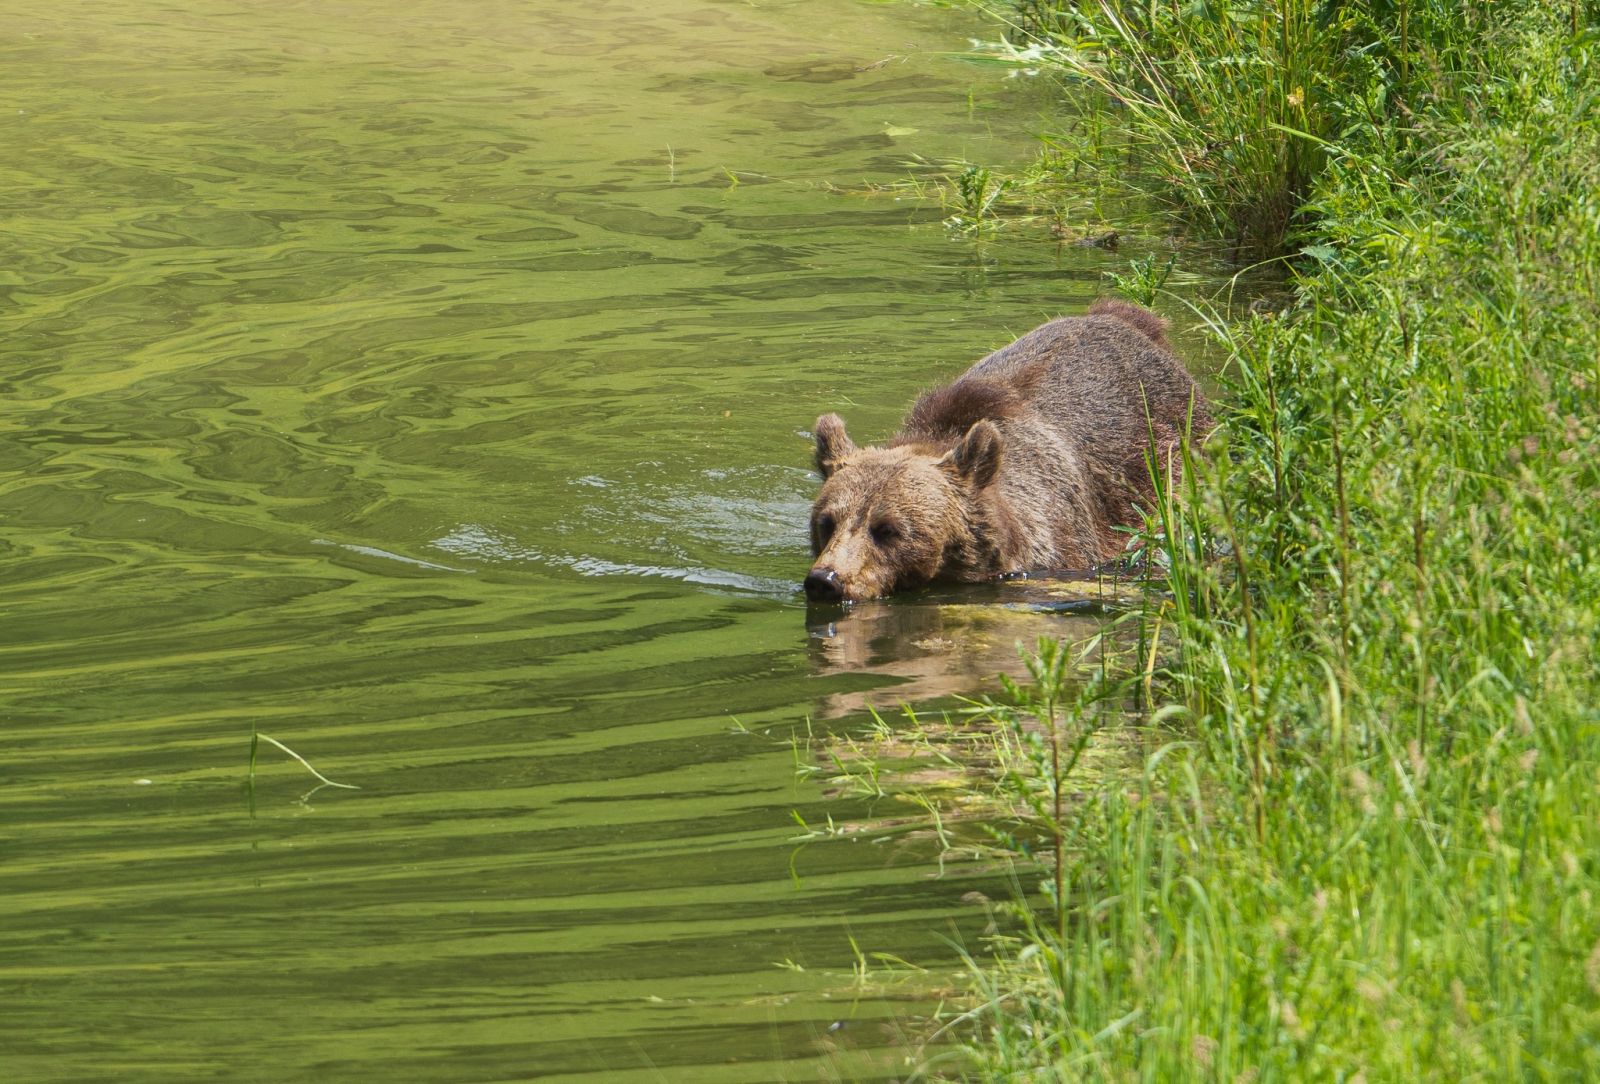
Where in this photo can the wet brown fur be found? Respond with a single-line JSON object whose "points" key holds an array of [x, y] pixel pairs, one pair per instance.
{"points": [[1034, 458]]}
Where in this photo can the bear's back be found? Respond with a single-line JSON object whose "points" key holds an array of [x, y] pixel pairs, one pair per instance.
{"points": [[1084, 399], [1099, 383], [1093, 376]]}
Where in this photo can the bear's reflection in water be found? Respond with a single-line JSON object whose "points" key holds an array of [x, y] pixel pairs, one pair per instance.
{"points": [[925, 648]]}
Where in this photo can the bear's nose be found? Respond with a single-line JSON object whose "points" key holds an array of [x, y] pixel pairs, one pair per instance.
{"points": [[822, 585]]}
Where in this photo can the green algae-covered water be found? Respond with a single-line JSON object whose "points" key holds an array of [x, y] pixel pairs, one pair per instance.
{"points": [[425, 387]]}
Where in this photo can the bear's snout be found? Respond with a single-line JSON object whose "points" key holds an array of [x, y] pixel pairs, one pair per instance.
{"points": [[822, 585]]}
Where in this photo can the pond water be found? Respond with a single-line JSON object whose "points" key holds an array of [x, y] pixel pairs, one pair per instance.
{"points": [[426, 387]]}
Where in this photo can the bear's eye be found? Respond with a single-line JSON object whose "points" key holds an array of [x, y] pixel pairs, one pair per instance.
{"points": [[824, 529], [884, 533]]}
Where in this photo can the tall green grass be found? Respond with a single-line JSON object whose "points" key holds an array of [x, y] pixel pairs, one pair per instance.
{"points": [[1234, 106], [1367, 846]]}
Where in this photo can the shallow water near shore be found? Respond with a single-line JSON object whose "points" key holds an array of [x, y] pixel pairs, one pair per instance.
{"points": [[427, 388]]}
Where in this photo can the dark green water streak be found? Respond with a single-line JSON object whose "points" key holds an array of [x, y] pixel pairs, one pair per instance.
{"points": [[426, 386]]}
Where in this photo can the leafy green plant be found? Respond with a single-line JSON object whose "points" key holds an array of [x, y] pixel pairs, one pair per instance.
{"points": [[1144, 279], [977, 191]]}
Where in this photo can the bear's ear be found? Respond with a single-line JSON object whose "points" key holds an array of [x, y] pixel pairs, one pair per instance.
{"points": [[976, 460], [834, 446]]}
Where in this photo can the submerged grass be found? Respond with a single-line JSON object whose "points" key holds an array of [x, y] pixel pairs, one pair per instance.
{"points": [[1368, 844]]}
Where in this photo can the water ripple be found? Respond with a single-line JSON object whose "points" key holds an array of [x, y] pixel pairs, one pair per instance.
{"points": [[428, 393]]}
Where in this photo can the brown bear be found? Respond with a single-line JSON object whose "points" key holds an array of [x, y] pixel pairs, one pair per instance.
{"points": [[1032, 459]]}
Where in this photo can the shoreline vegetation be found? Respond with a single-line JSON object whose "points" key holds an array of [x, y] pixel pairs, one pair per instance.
{"points": [[1362, 839]]}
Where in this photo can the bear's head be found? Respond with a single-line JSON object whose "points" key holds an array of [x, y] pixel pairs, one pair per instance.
{"points": [[889, 519]]}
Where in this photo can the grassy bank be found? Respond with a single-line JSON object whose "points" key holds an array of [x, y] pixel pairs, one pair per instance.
{"points": [[1367, 846]]}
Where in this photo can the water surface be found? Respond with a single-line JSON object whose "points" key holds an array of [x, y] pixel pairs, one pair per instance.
{"points": [[426, 387]]}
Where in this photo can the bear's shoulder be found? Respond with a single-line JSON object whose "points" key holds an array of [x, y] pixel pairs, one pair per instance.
{"points": [[947, 413]]}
